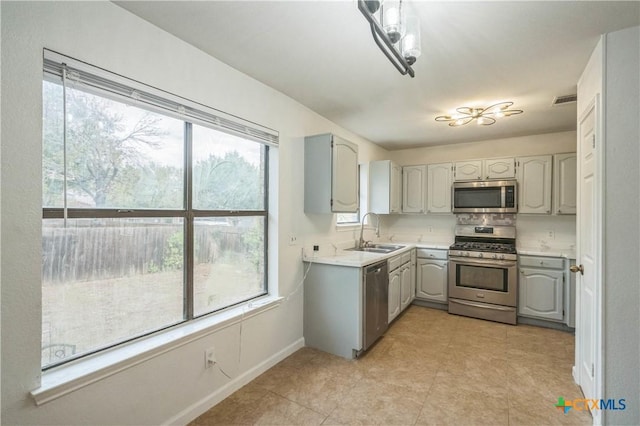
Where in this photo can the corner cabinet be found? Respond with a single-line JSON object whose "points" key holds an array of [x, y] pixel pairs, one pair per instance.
{"points": [[432, 275], [564, 183], [541, 287], [414, 189], [534, 184], [385, 187], [439, 188], [330, 175]]}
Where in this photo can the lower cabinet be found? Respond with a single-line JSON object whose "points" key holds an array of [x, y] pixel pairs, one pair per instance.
{"points": [[432, 275], [402, 287], [394, 294], [541, 287]]}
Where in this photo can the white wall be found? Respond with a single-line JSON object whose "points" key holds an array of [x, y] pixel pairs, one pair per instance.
{"points": [[532, 229], [107, 36], [621, 287]]}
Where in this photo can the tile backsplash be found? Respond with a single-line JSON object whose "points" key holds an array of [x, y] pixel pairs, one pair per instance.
{"points": [[503, 219]]}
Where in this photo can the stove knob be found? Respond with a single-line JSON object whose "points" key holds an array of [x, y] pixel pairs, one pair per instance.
{"points": [[480, 255], [466, 253], [502, 257], [495, 256]]}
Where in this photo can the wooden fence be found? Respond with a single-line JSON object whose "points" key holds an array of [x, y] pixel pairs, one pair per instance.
{"points": [[103, 252]]}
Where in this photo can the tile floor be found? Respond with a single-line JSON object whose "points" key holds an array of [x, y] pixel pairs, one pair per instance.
{"points": [[429, 368]]}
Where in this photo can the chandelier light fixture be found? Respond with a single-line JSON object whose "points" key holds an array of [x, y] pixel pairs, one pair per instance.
{"points": [[396, 32], [482, 116]]}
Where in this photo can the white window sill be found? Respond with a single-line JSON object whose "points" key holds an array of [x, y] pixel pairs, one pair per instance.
{"points": [[347, 226], [67, 378]]}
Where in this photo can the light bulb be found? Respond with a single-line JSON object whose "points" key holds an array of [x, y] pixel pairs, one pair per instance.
{"points": [[411, 49], [393, 20], [480, 120]]}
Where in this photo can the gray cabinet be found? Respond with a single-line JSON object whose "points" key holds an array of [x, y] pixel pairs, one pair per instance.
{"points": [[414, 189], [541, 287], [330, 175], [439, 188], [432, 275], [491, 168], [401, 286], [385, 187], [564, 183], [534, 184]]}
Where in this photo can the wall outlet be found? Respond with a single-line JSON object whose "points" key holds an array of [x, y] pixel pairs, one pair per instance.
{"points": [[316, 247], [293, 240], [210, 357], [551, 234]]}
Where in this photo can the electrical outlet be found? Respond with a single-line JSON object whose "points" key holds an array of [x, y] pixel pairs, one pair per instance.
{"points": [[293, 240], [430, 229], [551, 234], [210, 357], [316, 247]]}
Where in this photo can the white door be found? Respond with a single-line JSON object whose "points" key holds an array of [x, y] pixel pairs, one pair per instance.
{"points": [[588, 311], [394, 294], [431, 281], [405, 286], [395, 193], [564, 183], [540, 293]]}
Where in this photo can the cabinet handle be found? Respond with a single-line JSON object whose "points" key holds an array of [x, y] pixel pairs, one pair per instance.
{"points": [[487, 177], [541, 262], [548, 211], [559, 211]]}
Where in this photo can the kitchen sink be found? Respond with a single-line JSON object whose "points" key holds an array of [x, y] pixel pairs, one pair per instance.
{"points": [[377, 248]]}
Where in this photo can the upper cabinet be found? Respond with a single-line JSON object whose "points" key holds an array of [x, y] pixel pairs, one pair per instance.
{"points": [[330, 175], [439, 188], [534, 184], [414, 189], [564, 183], [494, 168], [468, 170], [385, 187], [500, 168]]}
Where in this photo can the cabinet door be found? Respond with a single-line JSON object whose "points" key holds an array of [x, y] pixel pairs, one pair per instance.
{"points": [[344, 179], [431, 281], [534, 184], [394, 294], [499, 168], [439, 188], [405, 286], [414, 191], [564, 183], [541, 293], [468, 170], [395, 189]]}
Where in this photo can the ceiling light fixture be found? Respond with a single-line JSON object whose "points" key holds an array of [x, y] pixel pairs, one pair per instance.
{"points": [[396, 32], [483, 116]]}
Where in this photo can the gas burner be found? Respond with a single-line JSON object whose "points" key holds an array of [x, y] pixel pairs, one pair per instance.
{"points": [[489, 242]]}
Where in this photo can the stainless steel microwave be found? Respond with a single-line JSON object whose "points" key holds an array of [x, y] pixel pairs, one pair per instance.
{"points": [[489, 196]]}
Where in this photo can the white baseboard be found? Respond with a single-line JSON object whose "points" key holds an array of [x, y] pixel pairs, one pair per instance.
{"points": [[200, 407]]}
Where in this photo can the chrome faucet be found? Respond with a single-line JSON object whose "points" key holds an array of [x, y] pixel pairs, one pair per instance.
{"points": [[361, 242]]}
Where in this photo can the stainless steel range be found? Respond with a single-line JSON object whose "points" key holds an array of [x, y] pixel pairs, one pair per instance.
{"points": [[483, 279]]}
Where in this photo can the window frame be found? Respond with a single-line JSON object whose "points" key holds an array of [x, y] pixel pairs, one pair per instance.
{"points": [[187, 213]]}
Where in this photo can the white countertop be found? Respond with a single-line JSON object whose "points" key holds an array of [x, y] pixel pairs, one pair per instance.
{"points": [[359, 259], [567, 253]]}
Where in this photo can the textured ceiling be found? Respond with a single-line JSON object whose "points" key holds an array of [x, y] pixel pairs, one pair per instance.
{"points": [[321, 53]]}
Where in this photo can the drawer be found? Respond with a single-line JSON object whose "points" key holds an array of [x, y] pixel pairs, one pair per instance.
{"points": [[406, 257], [432, 254], [541, 262], [395, 262]]}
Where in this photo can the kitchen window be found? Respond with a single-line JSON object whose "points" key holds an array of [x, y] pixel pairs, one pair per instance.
{"points": [[155, 210]]}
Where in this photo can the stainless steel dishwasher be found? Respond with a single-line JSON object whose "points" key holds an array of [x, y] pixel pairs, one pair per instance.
{"points": [[376, 302]]}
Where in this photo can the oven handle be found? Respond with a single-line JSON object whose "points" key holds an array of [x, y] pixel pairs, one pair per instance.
{"points": [[483, 262], [481, 305]]}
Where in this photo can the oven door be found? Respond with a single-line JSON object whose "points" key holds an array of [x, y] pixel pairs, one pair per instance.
{"points": [[483, 280]]}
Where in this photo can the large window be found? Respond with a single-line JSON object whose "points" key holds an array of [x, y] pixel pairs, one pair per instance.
{"points": [[150, 218]]}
